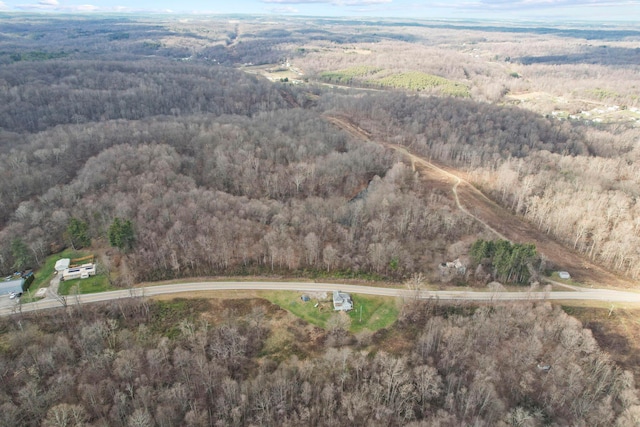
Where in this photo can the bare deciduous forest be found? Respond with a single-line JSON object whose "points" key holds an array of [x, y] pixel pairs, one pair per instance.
{"points": [[205, 147], [174, 363], [88, 106]]}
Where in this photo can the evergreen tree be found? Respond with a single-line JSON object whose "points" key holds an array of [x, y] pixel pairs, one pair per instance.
{"points": [[78, 233], [22, 258], [121, 234], [510, 262]]}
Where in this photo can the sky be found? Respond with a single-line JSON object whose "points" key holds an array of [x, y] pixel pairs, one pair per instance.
{"points": [[557, 10]]}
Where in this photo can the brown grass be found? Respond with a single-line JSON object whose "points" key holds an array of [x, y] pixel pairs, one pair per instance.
{"points": [[617, 331]]}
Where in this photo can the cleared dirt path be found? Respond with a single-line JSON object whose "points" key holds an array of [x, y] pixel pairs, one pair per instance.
{"points": [[454, 189], [496, 219]]}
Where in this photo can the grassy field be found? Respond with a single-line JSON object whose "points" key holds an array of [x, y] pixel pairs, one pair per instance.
{"points": [[412, 80], [274, 72], [416, 80], [370, 312], [97, 283], [373, 312], [347, 75], [45, 273], [554, 276]]}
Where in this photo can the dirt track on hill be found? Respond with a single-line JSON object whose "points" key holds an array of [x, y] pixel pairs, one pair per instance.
{"points": [[502, 223]]}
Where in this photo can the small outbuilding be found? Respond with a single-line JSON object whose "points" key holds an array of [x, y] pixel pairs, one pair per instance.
{"points": [[342, 301], [564, 275], [456, 266], [544, 368], [62, 264]]}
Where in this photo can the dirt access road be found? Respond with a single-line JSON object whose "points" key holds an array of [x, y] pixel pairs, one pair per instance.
{"points": [[502, 223]]}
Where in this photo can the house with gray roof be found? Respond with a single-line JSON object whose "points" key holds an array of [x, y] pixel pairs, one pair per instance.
{"points": [[342, 301]]}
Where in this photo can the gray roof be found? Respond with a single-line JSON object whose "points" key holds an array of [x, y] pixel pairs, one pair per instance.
{"points": [[7, 286], [342, 301], [62, 264]]}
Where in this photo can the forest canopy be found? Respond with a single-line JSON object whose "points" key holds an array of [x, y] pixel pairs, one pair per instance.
{"points": [[221, 171], [174, 362], [232, 146]]}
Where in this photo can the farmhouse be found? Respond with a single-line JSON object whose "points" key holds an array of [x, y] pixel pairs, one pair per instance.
{"points": [[342, 301], [81, 272]]}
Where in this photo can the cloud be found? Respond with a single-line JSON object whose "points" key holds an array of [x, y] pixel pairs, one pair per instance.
{"points": [[296, 1], [35, 7], [283, 10], [55, 6], [85, 8], [510, 5], [349, 3], [359, 2], [41, 5], [3, 6]]}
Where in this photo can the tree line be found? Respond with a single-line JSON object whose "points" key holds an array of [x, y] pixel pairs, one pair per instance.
{"points": [[41, 95], [508, 262]]}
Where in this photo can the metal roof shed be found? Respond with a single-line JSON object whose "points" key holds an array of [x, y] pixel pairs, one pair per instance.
{"points": [[62, 264], [8, 286]]}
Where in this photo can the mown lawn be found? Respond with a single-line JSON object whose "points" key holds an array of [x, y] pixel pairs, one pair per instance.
{"points": [[97, 283], [370, 312], [373, 312], [292, 302]]}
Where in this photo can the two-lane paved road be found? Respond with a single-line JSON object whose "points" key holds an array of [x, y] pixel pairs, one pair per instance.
{"points": [[604, 295]]}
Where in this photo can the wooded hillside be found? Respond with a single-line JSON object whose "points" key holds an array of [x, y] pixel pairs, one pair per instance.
{"points": [[222, 172], [181, 148], [178, 363]]}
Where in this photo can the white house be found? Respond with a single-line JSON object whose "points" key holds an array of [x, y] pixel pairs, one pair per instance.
{"points": [[342, 301]]}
